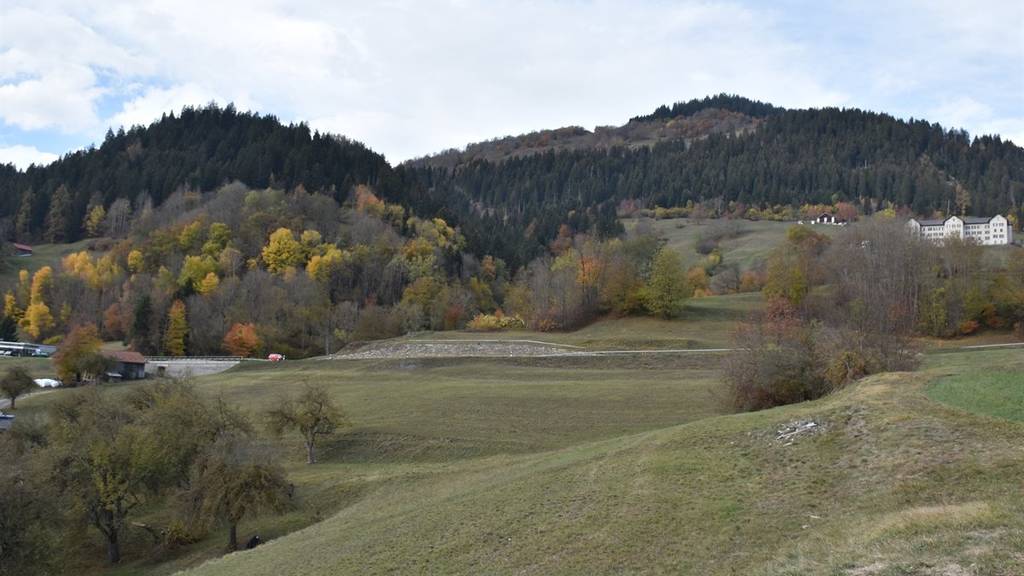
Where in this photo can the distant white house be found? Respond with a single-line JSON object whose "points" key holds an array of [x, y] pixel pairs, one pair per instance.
{"points": [[990, 231], [830, 219]]}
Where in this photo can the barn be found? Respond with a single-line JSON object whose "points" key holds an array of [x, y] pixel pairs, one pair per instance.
{"points": [[128, 364]]}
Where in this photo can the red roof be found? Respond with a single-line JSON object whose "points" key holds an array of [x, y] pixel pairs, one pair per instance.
{"points": [[22, 247], [126, 356]]}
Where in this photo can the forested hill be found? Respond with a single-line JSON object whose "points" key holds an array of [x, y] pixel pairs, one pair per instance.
{"points": [[793, 157], [510, 196], [198, 149]]}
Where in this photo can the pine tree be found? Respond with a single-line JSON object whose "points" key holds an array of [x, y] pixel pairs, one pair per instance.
{"points": [[142, 319], [23, 221], [177, 329], [59, 216]]}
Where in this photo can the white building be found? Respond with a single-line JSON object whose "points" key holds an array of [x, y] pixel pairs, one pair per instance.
{"points": [[993, 231]]}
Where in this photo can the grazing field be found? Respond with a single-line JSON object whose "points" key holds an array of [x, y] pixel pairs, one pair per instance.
{"points": [[704, 323], [421, 419], [754, 242], [37, 367], [891, 483], [624, 464], [995, 389], [42, 255]]}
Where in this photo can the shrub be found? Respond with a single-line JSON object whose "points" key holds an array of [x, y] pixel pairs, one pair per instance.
{"points": [[494, 322]]}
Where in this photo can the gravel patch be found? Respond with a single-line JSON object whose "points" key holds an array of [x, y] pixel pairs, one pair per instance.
{"points": [[455, 349]]}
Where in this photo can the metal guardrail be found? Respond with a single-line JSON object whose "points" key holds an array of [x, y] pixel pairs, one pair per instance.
{"points": [[198, 358]]}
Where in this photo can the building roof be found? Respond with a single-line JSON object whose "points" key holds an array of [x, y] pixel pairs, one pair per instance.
{"points": [[976, 219], [964, 219], [125, 356], [23, 247]]}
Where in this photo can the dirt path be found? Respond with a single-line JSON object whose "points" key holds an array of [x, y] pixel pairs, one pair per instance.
{"points": [[5, 403]]}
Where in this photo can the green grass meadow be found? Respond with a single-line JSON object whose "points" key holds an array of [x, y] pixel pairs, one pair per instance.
{"points": [[42, 255], [753, 244], [616, 465]]}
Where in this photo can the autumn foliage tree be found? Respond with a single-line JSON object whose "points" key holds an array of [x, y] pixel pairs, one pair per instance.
{"points": [[79, 356], [38, 318], [242, 340], [177, 328], [283, 251]]}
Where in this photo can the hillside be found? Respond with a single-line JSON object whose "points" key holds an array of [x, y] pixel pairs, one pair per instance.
{"points": [[893, 483], [637, 133]]}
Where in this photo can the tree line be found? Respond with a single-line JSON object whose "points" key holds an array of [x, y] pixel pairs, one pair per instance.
{"points": [[511, 209], [839, 309]]}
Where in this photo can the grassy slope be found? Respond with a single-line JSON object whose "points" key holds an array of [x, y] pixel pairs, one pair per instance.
{"points": [[996, 389], [432, 419], [597, 465], [755, 242], [897, 484], [42, 255], [37, 367], [704, 323]]}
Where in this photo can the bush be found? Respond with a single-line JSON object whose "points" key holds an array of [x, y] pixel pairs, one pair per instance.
{"points": [[494, 322]]}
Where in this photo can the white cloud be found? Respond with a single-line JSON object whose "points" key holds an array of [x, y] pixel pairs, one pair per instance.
{"points": [[61, 99], [409, 78], [25, 156]]}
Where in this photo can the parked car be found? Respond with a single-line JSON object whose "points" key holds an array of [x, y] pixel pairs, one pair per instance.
{"points": [[48, 383], [275, 357]]}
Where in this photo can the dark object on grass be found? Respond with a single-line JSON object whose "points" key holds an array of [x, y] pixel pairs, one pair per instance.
{"points": [[253, 542]]}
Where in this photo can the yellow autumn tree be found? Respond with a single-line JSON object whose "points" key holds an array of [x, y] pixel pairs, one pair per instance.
{"points": [[24, 287], [177, 328], [42, 280], [38, 319], [283, 251], [321, 266], [94, 221], [209, 283], [135, 261], [11, 308], [311, 241]]}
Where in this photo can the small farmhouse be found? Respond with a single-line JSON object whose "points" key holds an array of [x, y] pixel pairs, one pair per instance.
{"points": [[128, 365], [987, 231], [22, 249]]}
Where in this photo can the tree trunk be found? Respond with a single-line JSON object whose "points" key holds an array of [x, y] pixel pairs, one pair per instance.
{"points": [[13, 398], [113, 547], [233, 536], [310, 454]]}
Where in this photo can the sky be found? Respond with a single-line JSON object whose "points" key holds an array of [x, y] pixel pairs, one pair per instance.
{"points": [[409, 78]]}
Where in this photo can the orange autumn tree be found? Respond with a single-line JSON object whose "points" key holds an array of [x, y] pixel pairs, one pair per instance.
{"points": [[242, 340]]}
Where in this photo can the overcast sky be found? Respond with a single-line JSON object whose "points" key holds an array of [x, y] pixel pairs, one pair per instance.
{"points": [[410, 78]]}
